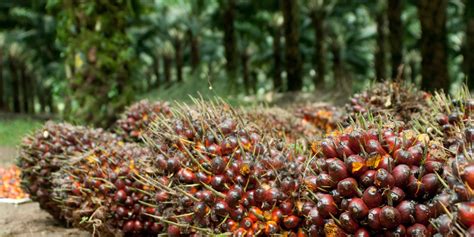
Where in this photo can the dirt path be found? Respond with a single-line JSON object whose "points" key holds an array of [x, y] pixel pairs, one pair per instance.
{"points": [[28, 219]]}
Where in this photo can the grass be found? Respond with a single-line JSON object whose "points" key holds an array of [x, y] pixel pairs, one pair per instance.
{"points": [[12, 130]]}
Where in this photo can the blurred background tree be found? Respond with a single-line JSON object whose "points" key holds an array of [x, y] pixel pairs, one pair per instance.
{"points": [[86, 60]]}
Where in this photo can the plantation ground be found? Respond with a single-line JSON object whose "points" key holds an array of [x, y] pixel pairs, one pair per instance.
{"points": [[28, 219]]}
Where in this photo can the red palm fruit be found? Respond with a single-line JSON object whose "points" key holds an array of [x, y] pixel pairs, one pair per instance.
{"points": [[431, 183], [432, 166], [373, 218], [371, 134], [445, 225], [386, 163], [237, 212], [291, 222], [128, 226], [367, 179], [415, 188], [186, 176], [357, 208], [328, 148], [218, 165], [288, 185], [466, 213], [383, 179], [356, 141], [347, 223], [407, 212], [361, 232], [389, 217], [221, 208], [315, 218], [356, 164], [374, 146], [395, 194], [324, 181], [286, 207], [246, 222], [402, 156], [271, 228], [337, 169], [321, 165], [442, 119], [468, 174], [343, 150], [401, 174], [416, 153], [348, 187], [218, 182], [422, 214], [200, 209], [326, 205], [417, 230], [156, 228], [397, 232], [137, 226], [277, 215], [392, 143], [272, 195], [233, 197], [311, 182], [173, 231], [371, 197], [120, 196]]}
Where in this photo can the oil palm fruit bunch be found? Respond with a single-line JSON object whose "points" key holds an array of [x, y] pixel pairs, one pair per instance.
{"points": [[136, 118], [281, 123], [322, 116], [98, 191], [45, 152], [372, 181], [217, 173], [400, 101]]}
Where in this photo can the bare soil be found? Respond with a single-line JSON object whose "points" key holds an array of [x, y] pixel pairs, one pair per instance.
{"points": [[25, 220]]}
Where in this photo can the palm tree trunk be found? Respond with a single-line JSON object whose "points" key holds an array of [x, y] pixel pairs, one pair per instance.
{"points": [[244, 57], [469, 52], [434, 68], [2, 88], [395, 27], [195, 57], [293, 63], [230, 43], [156, 71], [179, 59], [25, 91], [380, 73], [167, 69], [317, 19], [277, 80], [15, 84]]}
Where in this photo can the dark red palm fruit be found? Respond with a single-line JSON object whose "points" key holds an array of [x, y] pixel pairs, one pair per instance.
{"points": [[397, 232], [128, 226], [417, 230], [348, 187], [469, 134], [122, 212], [373, 218], [218, 165], [276, 215], [348, 224], [248, 198], [336, 196], [233, 197], [383, 179], [237, 212], [401, 174], [343, 150], [328, 148], [200, 209], [344, 203], [392, 143], [417, 154], [291, 222], [356, 141], [306, 207], [315, 231], [442, 119], [137, 226], [119, 184], [321, 165], [468, 174], [372, 197], [422, 214], [415, 188], [374, 146], [367, 179], [466, 213], [445, 225], [431, 183], [324, 181], [272, 195], [173, 231], [439, 202], [326, 205], [356, 165], [315, 218], [120, 196], [172, 165], [156, 227], [389, 217], [186, 176], [221, 208], [432, 166], [371, 134], [357, 208], [311, 182], [361, 232], [402, 156], [271, 228], [396, 195], [288, 185], [286, 207], [218, 182], [407, 212], [337, 170], [259, 195]]}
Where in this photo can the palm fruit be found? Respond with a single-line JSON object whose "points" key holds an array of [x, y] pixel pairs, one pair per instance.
{"points": [[136, 118], [282, 124], [45, 152], [10, 183], [322, 116], [220, 173], [400, 101], [374, 181], [98, 191]]}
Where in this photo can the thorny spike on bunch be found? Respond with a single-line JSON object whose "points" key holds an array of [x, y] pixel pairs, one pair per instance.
{"points": [[46, 151]]}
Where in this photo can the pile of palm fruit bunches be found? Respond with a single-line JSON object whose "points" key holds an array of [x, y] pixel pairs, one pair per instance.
{"points": [[208, 169]]}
